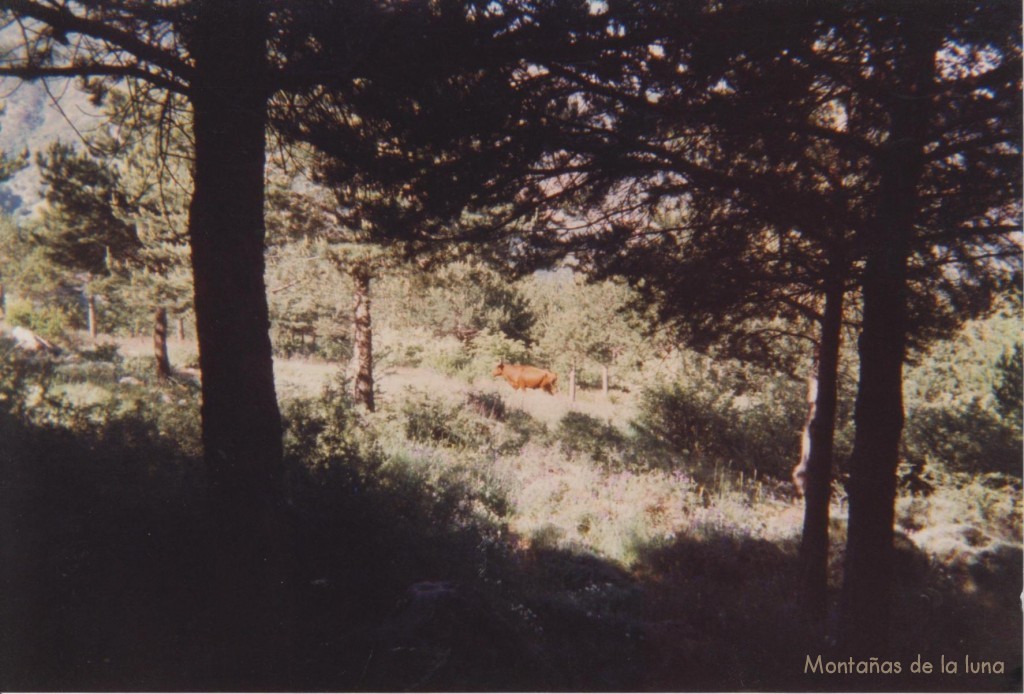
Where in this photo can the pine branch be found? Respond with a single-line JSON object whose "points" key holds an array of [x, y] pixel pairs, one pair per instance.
{"points": [[33, 72], [63, 22]]}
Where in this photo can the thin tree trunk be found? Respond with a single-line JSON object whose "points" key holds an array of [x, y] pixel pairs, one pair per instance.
{"points": [[90, 302], [362, 332], [241, 422], [572, 383], [800, 471], [879, 410], [163, 363], [181, 329], [604, 380], [820, 435]]}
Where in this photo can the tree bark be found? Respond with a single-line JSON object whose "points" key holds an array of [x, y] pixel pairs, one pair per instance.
{"points": [[604, 380], [878, 413], [817, 480], [163, 363], [362, 336], [241, 422], [181, 329]]}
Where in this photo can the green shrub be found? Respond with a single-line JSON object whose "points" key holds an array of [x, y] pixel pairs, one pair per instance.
{"points": [[24, 379], [437, 422], [684, 420], [582, 434], [488, 348], [407, 355], [1009, 387], [702, 428], [325, 437], [52, 322], [520, 428], [451, 360], [106, 352], [968, 439], [487, 404], [477, 358]]}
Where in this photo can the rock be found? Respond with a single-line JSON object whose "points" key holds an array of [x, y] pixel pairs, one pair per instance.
{"points": [[30, 342]]}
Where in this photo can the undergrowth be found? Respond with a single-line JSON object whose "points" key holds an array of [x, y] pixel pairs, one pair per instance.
{"points": [[460, 543]]}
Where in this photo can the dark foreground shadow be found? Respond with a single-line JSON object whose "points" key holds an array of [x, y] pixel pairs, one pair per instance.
{"points": [[104, 559]]}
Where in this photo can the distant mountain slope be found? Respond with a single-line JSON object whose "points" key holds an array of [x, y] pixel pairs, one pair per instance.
{"points": [[31, 120]]}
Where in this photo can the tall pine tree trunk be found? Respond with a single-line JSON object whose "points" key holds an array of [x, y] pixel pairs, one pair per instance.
{"points": [[362, 337], [879, 410], [242, 438], [163, 363], [817, 481]]}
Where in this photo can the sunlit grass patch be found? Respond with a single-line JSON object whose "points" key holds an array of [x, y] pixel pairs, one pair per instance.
{"points": [[964, 516]]}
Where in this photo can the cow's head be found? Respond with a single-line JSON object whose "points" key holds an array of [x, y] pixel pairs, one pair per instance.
{"points": [[499, 369]]}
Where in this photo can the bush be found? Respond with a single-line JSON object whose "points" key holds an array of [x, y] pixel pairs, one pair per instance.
{"points": [[1009, 388], [447, 356], [581, 434], [106, 352], [434, 421], [403, 355], [24, 379], [489, 405], [488, 348], [325, 438], [968, 439], [705, 429], [52, 322]]}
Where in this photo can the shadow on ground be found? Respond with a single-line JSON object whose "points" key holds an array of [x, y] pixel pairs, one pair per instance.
{"points": [[104, 559]]}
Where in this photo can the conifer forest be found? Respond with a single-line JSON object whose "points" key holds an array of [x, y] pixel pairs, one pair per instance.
{"points": [[511, 345]]}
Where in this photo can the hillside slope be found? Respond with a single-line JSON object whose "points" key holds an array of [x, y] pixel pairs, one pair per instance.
{"points": [[32, 116]]}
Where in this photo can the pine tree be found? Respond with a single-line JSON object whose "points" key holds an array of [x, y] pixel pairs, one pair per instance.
{"points": [[215, 54], [303, 210], [81, 229], [889, 178], [585, 325], [898, 181]]}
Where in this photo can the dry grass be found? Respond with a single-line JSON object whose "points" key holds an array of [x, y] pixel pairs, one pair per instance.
{"points": [[571, 502], [622, 576]]}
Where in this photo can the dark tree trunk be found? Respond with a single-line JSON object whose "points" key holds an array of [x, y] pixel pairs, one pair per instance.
{"points": [[879, 410], [181, 329], [163, 363], [90, 302], [362, 336], [817, 480], [241, 421]]}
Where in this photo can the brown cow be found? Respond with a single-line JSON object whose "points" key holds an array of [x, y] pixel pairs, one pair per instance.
{"points": [[521, 377]]}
